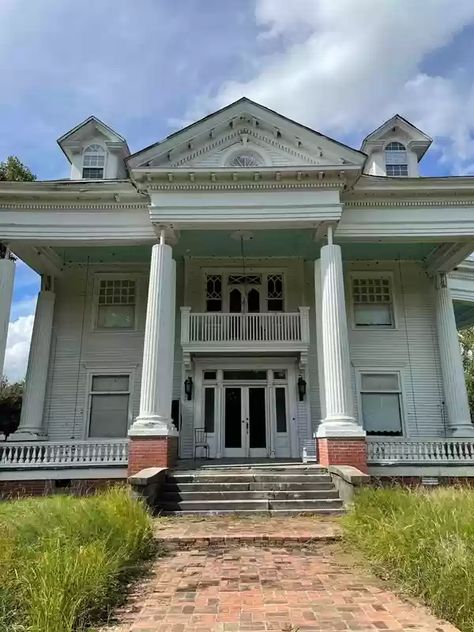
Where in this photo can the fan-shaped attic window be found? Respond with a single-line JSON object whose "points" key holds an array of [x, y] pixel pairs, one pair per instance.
{"points": [[396, 162], [245, 159], [93, 162]]}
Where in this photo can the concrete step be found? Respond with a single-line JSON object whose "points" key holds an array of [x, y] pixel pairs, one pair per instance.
{"points": [[173, 495], [280, 489], [275, 477], [176, 486], [256, 512], [255, 505]]}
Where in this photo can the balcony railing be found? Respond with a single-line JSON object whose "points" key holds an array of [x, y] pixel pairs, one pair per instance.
{"points": [[420, 451], [42, 454], [284, 327]]}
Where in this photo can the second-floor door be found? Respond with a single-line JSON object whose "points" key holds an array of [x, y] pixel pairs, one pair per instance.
{"points": [[244, 299]]}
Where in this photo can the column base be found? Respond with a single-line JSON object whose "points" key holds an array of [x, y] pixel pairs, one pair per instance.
{"points": [[343, 451], [151, 451], [462, 431], [27, 435], [153, 426]]}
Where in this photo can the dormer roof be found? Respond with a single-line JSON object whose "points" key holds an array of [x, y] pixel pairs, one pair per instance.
{"points": [[397, 128], [73, 141]]}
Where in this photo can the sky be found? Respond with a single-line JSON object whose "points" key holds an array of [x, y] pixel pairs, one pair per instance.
{"points": [[148, 67]]}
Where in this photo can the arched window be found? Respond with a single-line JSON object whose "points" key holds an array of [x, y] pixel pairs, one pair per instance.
{"points": [[396, 162], [245, 158], [93, 162]]}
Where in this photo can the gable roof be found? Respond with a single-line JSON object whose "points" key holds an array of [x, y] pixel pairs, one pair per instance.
{"points": [[420, 140], [88, 127], [240, 107]]}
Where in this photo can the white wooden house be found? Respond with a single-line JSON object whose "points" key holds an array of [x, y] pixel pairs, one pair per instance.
{"points": [[247, 276]]}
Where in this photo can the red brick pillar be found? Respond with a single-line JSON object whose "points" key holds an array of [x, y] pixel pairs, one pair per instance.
{"points": [[149, 451], [343, 451]]}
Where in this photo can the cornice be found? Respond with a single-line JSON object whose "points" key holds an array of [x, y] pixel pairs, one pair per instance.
{"points": [[245, 186], [67, 206], [406, 203]]}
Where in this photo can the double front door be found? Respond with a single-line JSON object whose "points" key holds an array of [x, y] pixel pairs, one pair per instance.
{"points": [[245, 421]]}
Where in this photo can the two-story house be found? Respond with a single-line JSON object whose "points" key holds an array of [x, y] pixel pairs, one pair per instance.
{"points": [[247, 283]]}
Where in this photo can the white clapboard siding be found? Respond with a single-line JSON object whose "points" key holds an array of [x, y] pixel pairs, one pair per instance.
{"points": [[76, 348], [411, 348]]}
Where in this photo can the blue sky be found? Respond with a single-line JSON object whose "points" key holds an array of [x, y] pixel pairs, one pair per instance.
{"points": [[148, 67]]}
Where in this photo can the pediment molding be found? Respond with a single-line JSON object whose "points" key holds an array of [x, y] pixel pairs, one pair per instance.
{"points": [[259, 138]]}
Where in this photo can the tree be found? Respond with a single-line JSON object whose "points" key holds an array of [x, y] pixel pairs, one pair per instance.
{"points": [[11, 396], [13, 170], [466, 340]]}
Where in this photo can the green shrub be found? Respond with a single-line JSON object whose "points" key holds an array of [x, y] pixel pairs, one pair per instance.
{"points": [[423, 540], [63, 559]]}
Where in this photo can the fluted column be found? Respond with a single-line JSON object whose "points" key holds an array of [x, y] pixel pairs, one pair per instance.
{"points": [[31, 420], [158, 353], [7, 277], [339, 416], [454, 384]]}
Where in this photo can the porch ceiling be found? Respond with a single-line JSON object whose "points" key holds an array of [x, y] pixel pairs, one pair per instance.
{"points": [[270, 243]]}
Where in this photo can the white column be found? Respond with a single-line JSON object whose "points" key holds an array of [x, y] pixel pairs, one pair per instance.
{"points": [[158, 352], [339, 418], [454, 385], [31, 420], [7, 277]]}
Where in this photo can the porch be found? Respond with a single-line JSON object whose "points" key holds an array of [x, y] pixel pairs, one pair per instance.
{"points": [[37, 455]]}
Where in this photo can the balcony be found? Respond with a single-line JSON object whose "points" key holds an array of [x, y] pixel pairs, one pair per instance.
{"points": [[228, 332]]}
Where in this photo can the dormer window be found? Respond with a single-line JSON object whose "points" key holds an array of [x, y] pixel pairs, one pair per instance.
{"points": [[93, 162], [396, 161]]}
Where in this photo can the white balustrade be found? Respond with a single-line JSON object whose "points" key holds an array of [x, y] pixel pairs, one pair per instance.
{"points": [[419, 451], [243, 328], [38, 454]]}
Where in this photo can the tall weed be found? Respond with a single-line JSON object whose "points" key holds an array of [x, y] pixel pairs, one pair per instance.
{"points": [[63, 559], [424, 540]]}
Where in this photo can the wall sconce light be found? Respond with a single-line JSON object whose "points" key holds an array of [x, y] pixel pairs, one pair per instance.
{"points": [[301, 388], [188, 387]]}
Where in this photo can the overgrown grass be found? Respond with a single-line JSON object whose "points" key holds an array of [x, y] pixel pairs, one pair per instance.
{"points": [[424, 541], [63, 559]]}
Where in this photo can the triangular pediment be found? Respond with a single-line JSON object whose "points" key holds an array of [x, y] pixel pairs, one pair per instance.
{"points": [[246, 134]]}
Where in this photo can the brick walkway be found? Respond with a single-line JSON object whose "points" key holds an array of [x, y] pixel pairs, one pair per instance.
{"points": [[238, 586]]}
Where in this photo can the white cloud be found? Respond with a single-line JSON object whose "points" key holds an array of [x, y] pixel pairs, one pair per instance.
{"points": [[18, 344], [343, 67]]}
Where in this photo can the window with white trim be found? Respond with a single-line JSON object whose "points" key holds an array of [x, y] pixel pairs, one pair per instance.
{"points": [[93, 162], [116, 304], [109, 405], [381, 404], [213, 293], [372, 301], [396, 161], [275, 292]]}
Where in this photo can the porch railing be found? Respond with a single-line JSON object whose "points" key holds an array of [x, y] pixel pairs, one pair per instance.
{"points": [[420, 451], [241, 328], [38, 454]]}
